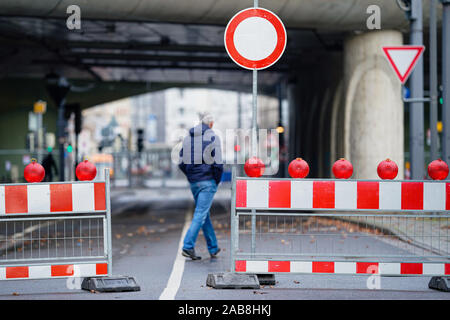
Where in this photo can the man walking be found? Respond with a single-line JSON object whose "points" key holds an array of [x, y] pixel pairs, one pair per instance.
{"points": [[201, 162]]}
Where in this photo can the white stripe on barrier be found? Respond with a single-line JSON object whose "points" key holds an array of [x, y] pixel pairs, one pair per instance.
{"points": [[345, 194], [39, 272], [257, 266], [390, 195], [258, 193], [433, 268], [301, 266], [345, 267], [434, 195], [302, 194], [84, 270], [2, 273], [38, 198], [83, 197], [2, 200], [389, 268]]}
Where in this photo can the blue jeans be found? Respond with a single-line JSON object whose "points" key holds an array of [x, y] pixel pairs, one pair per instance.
{"points": [[203, 192]]}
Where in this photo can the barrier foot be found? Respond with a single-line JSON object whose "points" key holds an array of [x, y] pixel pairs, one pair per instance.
{"points": [[266, 279], [440, 283], [232, 281], [110, 284]]}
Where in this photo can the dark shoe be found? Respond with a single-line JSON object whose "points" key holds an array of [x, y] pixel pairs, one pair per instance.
{"points": [[190, 253], [214, 255]]}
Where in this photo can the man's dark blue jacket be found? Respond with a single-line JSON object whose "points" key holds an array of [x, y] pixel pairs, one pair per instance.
{"points": [[201, 156]]}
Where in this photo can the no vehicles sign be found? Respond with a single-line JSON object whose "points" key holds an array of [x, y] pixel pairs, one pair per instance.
{"points": [[255, 38]]}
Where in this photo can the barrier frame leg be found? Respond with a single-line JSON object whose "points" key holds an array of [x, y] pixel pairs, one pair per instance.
{"points": [[109, 283]]}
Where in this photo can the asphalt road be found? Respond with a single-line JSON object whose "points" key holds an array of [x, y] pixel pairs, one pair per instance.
{"points": [[147, 226]]}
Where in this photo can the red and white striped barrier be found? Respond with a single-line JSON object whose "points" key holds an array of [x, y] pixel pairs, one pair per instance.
{"points": [[56, 203], [335, 267], [53, 271], [41, 198], [342, 195]]}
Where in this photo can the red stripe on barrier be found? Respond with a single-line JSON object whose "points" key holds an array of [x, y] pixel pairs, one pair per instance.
{"points": [[411, 268], [323, 267], [412, 195], [368, 195], [447, 268], [99, 196], [279, 194], [447, 197], [60, 197], [16, 272], [367, 267], [323, 194], [62, 270], [241, 193], [240, 265], [16, 199], [101, 268], [279, 266]]}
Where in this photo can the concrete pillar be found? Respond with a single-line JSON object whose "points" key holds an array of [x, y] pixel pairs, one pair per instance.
{"points": [[373, 109]]}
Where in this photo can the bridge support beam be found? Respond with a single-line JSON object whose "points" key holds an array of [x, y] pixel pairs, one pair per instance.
{"points": [[372, 105]]}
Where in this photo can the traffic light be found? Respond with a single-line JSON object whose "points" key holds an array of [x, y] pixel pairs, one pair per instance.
{"points": [[69, 148], [440, 95], [140, 140]]}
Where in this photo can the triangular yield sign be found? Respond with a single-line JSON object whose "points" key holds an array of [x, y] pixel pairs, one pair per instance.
{"points": [[403, 59]]}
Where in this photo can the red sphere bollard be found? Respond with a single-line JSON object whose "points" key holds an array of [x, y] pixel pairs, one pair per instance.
{"points": [[342, 169], [438, 170], [298, 168], [34, 172], [86, 171], [387, 169], [254, 167]]}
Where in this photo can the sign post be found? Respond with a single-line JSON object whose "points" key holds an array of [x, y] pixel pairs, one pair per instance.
{"points": [[403, 59], [255, 38]]}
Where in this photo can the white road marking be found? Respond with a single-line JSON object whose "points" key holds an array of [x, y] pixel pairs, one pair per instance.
{"points": [[176, 275]]}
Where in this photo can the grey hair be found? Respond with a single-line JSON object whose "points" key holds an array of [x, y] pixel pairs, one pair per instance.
{"points": [[206, 118]]}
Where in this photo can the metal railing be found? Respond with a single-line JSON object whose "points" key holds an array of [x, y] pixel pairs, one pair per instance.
{"points": [[292, 225], [60, 229]]}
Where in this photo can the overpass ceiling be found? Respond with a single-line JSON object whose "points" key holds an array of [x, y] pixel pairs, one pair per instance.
{"points": [[343, 15], [164, 42], [142, 52]]}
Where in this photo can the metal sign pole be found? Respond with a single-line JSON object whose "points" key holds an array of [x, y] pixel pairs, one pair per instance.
{"points": [[255, 105], [254, 113], [446, 80], [433, 83], [416, 112]]}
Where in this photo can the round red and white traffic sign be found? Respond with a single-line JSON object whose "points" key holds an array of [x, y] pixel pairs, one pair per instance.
{"points": [[255, 38]]}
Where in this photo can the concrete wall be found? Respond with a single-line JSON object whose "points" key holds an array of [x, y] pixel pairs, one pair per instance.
{"points": [[373, 124], [348, 106]]}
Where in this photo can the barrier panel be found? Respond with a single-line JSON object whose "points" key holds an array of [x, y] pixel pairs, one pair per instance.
{"points": [[337, 226], [55, 230]]}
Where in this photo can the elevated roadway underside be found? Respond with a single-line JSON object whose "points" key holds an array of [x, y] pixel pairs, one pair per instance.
{"points": [[130, 47]]}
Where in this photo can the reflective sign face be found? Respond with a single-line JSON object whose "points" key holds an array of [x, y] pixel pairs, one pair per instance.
{"points": [[255, 38], [403, 59]]}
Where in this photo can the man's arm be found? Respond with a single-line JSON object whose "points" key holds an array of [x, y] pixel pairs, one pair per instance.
{"points": [[218, 161], [182, 165]]}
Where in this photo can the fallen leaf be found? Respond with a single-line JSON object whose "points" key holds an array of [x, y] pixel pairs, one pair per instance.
{"points": [[259, 292]]}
